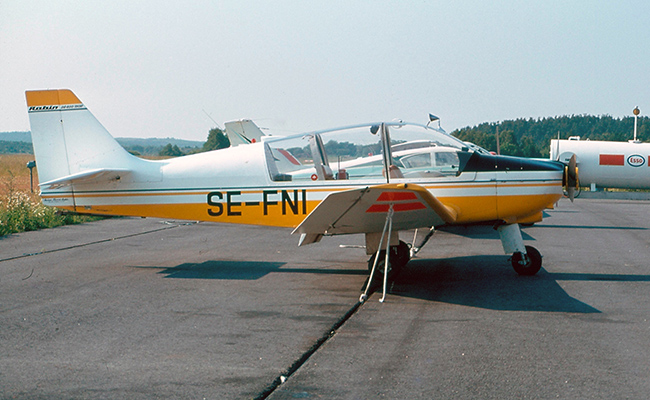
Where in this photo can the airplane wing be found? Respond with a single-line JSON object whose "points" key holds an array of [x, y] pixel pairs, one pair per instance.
{"points": [[90, 176], [364, 210]]}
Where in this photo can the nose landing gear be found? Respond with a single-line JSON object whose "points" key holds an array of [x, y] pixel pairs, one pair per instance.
{"points": [[527, 264], [526, 260]]}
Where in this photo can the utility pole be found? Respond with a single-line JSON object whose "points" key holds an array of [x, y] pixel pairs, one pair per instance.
{"points": [[636, 113]]}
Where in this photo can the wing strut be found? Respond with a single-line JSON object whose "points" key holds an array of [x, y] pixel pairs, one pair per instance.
{"points": [[388, 226], [416, 248]]}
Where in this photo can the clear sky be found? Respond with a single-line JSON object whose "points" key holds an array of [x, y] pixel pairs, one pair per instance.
{"points": [[155, 68]]}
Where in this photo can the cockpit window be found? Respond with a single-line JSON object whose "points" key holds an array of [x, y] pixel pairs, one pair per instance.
{"points": [[447, 159], [356, 153], [421, 160]]}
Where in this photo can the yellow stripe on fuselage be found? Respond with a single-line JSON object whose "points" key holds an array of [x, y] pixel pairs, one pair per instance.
{"points": [[288, 207]]}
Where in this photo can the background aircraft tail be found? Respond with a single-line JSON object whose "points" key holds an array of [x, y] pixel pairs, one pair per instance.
{"points": [[243, 131], [69, 142]]}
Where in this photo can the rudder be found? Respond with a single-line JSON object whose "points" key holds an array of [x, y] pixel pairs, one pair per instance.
{"points": [[67, 138]]}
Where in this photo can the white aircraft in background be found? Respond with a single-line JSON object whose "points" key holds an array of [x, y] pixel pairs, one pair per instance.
{"points": [[290, 182], [243, 131]]}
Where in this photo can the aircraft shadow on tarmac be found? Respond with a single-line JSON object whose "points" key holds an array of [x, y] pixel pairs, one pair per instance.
{"points": [[218, 269], [625, 228], [486, 282], [242, 270], [475, 281]]}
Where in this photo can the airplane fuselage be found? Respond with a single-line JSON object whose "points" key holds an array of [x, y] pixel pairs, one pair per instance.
{"points": [[376, 179], [213, 186]]}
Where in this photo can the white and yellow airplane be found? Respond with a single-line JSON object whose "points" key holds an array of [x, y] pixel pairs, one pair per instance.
{"points": [[320, 183]]}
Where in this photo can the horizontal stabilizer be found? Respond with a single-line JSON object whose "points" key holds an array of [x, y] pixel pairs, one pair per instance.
{"points": [[364, 210], [90, 176]]}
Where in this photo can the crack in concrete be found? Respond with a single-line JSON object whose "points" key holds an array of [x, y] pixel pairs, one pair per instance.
{"points": [[91, 243], [282, 378]]}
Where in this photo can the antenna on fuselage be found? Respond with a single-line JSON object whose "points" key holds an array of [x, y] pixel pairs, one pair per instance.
{"points": [[212, 119], [433, 118]]}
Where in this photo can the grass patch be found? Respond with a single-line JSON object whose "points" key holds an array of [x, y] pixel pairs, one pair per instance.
{"points": [[21, 210]]}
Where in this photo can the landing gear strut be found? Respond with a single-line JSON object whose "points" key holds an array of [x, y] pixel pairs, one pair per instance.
{"points": [[387, 260], [399, 256], [526, 260]]}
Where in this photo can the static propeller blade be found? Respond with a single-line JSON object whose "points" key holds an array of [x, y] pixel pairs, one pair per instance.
{"points": [[571, 192], [571, 177]]}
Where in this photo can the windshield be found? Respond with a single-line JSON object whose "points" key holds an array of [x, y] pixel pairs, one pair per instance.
{"points": [[357, 152]]}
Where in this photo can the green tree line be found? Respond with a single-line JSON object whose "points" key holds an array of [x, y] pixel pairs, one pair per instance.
{"points": [[520, 137], [15, 147], [217, 139], [532, 137]]}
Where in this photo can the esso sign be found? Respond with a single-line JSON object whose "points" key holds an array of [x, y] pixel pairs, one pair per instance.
{"points": [[636, 160]]}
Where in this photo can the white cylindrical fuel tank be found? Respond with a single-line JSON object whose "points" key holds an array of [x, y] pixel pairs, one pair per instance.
{"points": [[606, 164]]}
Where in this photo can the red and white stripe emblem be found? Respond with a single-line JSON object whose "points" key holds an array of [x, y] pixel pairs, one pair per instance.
{"points": [[401, 201], [612, 159]]}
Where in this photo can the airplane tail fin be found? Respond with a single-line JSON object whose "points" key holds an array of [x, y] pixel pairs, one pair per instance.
{"points": [[243, 131], [69, 142]]}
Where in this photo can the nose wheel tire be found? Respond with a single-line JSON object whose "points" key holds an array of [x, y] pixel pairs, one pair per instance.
{"points": [[528, 264]]}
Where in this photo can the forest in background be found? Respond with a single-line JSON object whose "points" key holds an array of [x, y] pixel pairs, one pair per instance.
{"points": [[532, 137], [520, 137], [21, 143]]}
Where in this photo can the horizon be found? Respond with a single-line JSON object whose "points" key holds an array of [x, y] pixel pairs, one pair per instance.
{"points": [[449, 132]]}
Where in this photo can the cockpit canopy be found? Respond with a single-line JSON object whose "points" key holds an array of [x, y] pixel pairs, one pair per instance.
{"points": [[360, 152]]}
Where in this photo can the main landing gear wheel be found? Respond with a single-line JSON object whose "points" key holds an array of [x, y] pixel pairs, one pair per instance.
{"points": [[399, 256], [529, 264]]}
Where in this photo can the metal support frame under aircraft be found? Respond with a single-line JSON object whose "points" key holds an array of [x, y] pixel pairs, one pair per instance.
{"points": [[377, 179]]}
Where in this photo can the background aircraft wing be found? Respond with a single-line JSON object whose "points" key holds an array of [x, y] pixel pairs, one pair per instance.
{"points": [[364, 210]]}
